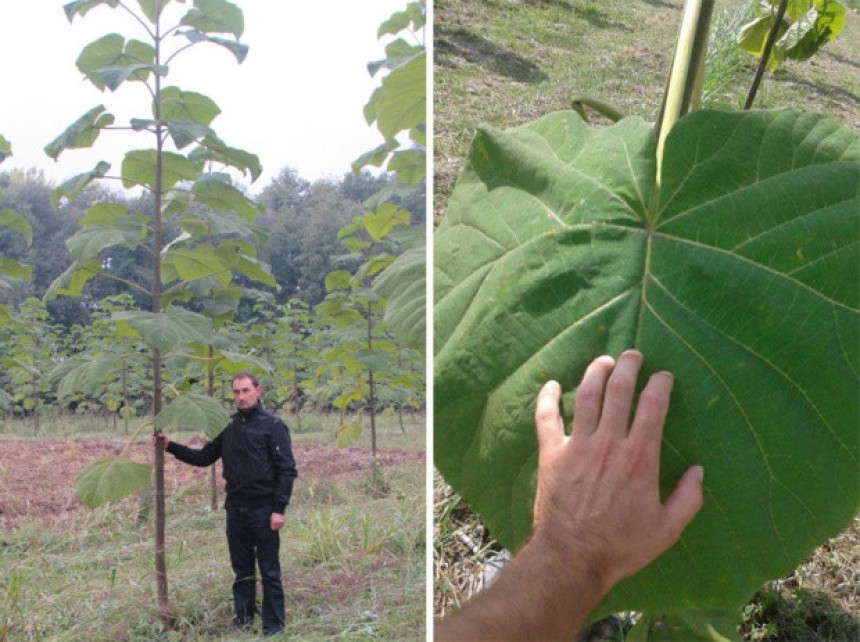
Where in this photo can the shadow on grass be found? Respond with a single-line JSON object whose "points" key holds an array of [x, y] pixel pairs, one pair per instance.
{"points": [[597, 18], [831, 91], [663, 4], [586, 11], [838, 58], [462, 43]]}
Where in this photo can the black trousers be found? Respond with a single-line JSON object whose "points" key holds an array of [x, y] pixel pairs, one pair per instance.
{"points": [[251, 539]]}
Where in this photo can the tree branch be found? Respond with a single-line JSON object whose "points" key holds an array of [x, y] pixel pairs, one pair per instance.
{"points": [[765, 54]]}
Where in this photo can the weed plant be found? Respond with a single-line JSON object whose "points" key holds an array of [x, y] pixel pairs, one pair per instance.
{"points": [[727, 68]]}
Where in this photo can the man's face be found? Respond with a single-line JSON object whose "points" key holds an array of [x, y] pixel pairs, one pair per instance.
{"points": [[245, 393]]}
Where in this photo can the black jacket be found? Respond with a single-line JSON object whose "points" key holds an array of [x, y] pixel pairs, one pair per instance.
{"points": [[258, 459]]}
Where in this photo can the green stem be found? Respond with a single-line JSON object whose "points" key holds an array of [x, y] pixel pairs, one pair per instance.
{"points": [[686, 63]]}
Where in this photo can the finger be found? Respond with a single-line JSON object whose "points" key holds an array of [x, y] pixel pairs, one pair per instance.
{"points": [[683, 504], [589, 396], [618, 398], [548, 422], [651, 409]]}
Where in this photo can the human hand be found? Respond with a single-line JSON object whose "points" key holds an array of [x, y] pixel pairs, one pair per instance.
{"points": [[276, 521], [597, 491], [162, 437]]}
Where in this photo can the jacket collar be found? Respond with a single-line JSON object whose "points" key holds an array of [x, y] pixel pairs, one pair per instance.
{"points": [[251, 412]]}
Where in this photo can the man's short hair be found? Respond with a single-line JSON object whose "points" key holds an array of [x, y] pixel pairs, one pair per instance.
{"points": [[246, 374]]}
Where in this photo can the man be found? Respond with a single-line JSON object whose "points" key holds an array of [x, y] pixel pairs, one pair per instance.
{"points": [[259, 470], [597, 513]]}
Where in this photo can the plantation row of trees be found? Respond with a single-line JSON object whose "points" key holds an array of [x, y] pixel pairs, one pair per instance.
{"points": [[314, 346], [319, 358]]}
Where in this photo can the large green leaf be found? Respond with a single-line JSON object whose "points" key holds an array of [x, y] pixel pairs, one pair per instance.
{"points": [[110, 60], [12, 220], [348, 433], [81, 7], [139, 168], [73, 186], [5, 399], [386, 217], [185, 132], [239, 50], [410, 18], [82, 133], [399, 104], [111, 478], [214, 149], [166, 329], [223, 197], [739, 276], [338, 279], [806, 27], [403, 284], [410, 165], [83, 373], [152, 8], [89, 241], [215, 16], [200, 262], [72, 281], [195, 411], [821, 23], [205, 261], [187, 106], [14, 270], [5, 149], [235, 362]]}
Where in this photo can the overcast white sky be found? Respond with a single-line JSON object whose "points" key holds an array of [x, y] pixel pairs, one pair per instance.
{"points": [[295, 101]]}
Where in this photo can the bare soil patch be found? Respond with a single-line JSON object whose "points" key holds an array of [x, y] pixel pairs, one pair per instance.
{"points": [[37, 477]]}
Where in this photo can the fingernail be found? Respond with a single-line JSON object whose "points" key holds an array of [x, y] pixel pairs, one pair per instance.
{"points": [[550, 387], [699, 473]]}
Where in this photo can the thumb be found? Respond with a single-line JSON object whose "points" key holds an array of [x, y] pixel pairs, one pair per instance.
{"points": [[684, 502]]}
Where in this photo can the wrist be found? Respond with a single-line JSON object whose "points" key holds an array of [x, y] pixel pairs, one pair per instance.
{"points": [[576, 562]]}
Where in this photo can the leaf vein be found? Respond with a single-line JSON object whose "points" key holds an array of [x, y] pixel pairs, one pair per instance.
{"points": [[758, 265]]}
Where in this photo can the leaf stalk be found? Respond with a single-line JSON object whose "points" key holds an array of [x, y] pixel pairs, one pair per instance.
{"points": [[685, 77]]}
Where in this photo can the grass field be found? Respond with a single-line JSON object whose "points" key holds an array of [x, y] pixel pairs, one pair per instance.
{"points": [[352, 550], [507, 62]]}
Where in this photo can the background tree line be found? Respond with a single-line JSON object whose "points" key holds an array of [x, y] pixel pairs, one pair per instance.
{"points": [[303, 217]]}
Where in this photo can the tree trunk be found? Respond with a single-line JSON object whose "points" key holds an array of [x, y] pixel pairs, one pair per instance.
{"points": [[213, 471], [371, 394], [160, 518], [157, 244]]}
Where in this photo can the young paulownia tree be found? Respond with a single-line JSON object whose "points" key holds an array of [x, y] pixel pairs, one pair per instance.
{"points": [[398, 108], [196, 231]]}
